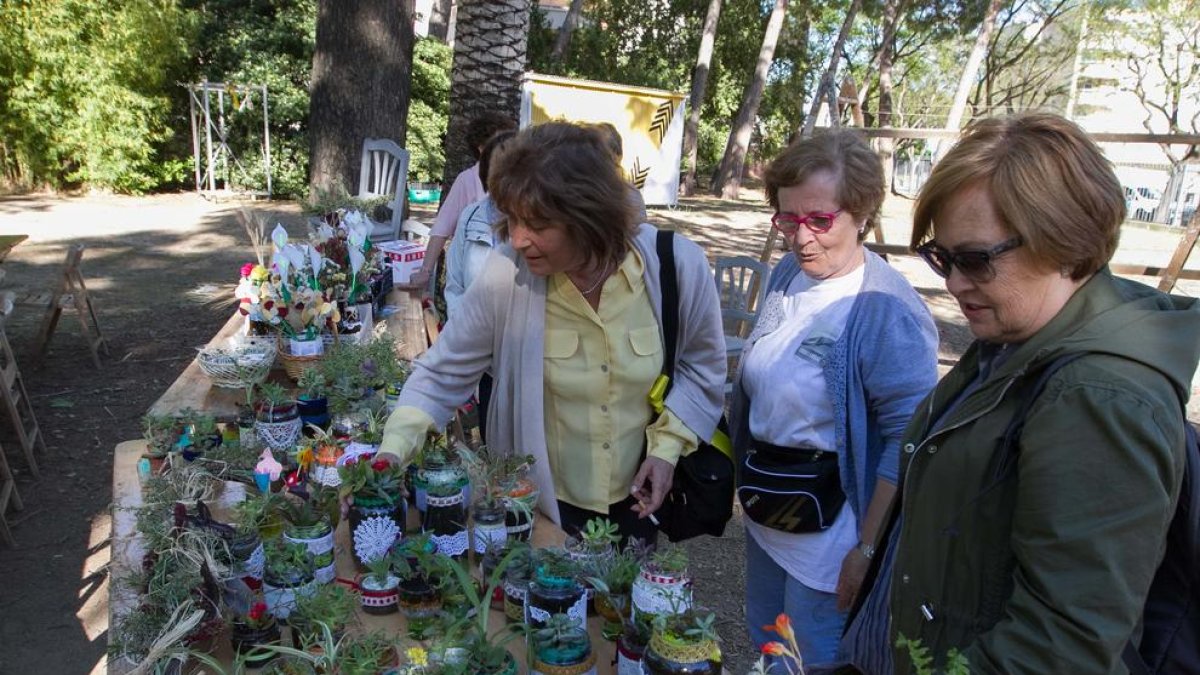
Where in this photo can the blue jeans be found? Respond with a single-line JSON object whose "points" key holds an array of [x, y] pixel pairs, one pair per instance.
{"points": [[814, 614]]}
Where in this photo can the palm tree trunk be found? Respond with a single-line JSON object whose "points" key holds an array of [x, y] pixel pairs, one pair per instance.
{"points": [[563, 40], [699, 83], [830, 74], [728, 180], [490, 43]]}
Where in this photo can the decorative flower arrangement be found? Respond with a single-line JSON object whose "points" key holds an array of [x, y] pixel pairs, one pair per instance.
{"points": [[343, 239], [375, 478]]}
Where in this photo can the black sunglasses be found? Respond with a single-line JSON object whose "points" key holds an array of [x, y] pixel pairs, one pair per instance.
{"points": [[976, 265]]}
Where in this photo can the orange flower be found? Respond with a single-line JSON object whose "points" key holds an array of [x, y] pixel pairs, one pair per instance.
{"points": [[782, 626], [774, 649]]}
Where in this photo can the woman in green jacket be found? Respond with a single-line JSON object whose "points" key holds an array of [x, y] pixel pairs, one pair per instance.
{"points": [[1044, 566]]}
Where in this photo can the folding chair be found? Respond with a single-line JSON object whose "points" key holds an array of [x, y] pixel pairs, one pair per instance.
{"points": [[69, 293], [15, 398], [742, 289]]}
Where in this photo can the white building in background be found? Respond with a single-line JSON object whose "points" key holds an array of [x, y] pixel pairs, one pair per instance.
{"points": [[1107, 104]]}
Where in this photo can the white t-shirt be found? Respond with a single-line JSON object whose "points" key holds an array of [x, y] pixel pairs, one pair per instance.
{"points": [[790, 407]]}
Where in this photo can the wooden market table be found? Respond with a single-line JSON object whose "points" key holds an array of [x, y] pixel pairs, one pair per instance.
{"points": [[194, 390], [8, 242], [128, 550]]}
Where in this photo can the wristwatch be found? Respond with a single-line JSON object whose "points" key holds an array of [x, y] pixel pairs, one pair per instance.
{"points": [[867, 550]]}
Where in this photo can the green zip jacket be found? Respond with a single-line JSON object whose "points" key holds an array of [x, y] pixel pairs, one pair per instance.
{"points": [[1048, 571]]}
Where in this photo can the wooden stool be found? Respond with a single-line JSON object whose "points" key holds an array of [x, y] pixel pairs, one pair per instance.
{"points": [[16, 400], [8, 495], [68, 293]]}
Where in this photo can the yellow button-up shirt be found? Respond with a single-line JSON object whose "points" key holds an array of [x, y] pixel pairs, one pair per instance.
{"points": [[598, 370], [599, 367]]}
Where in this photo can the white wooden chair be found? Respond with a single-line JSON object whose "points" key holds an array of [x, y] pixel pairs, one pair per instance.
{"points": [[742, 289], [384, 173]]}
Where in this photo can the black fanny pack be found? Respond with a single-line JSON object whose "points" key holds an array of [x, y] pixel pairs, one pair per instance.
{"points": [[789, 489]]}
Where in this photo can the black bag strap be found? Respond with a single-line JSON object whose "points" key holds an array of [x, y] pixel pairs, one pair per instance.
{"points": [[670, 301]]}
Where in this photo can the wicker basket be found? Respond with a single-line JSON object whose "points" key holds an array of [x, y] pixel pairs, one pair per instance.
{"points": [[238, 365], [295, 366]]}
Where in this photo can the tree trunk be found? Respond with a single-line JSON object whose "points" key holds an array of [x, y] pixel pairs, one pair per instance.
{"points": [[970, 73], [691, 130], [489, 60], [728, 180], [830, 74], [887, 55], [362, 67], [563, 40]]}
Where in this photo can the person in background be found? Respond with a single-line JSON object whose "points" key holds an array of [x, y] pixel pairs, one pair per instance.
{"points": [[843, 350], [565, 317], [1038, 561], [474, 237], [473, 240], [617, 147], [466, 190]]}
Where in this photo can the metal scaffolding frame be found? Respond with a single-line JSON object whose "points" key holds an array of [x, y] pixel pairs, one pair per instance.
{"points": [[211, 104]]}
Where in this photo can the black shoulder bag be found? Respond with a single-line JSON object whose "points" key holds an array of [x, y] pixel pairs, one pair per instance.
{"points": [[701, 497]]}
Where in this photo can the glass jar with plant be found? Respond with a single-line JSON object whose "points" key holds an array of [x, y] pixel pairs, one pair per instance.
{"points": [[277, 419], [312, 402], [377, 509], [663, 585], [247, 436], [325, 451], [445, 517], [379, 587], [595, 542], [373, 652], [309, 525], [162, 434], [365, 438], [516, 581], [612, 580], [420, 598], [684, 644], [437, 466], [562, 647], [483, 652], [489, 470], [288, 573], [331, 604], [554, 588], [520, 502], [262, 513], [256, 629]]}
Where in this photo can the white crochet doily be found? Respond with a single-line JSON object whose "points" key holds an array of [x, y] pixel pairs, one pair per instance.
{"points": [[373, 537], [452, 544]]}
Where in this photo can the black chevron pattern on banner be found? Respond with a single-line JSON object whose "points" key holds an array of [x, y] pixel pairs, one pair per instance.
{"points": [[639, 174], [662, 120]]}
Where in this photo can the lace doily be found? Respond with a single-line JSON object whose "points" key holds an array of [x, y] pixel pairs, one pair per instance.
{"points": [[373, 537], [452, 544], [279, 435], [253, 566]]}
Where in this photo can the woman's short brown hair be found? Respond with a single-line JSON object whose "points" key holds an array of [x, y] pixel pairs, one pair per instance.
{"points": [[1051, 185], [560, 173], [843, 152]]}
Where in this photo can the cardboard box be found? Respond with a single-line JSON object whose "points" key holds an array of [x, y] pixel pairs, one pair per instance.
{"points": [[405, 257]]}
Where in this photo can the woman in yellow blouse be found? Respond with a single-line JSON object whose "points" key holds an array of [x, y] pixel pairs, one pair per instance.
{"points": [[565, 315]]}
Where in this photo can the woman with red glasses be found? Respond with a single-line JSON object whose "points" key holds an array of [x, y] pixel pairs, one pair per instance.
{"points": [[842, 352], [1030, 549]]}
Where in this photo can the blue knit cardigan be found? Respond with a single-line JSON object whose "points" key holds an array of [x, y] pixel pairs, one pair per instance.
{"points": [[881, 367]]}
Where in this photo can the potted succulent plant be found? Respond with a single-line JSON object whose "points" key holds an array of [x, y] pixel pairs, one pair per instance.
{"points": [[595, 542], [370, 653], [483, 652], [445, 515], [312, 402], [309, 525], [612, 580], [277, 419], [257, 628], [489, 470], [288, 573], [325, 451], [516, 581], [379, 587], [520, 502], [331, 604], [562, 647], [246, 419], [554, 589], [420, 597], [201, 434], [262, 513], [439, 467], [663, 586], [162, 434], [684, 643], [377, 509]]}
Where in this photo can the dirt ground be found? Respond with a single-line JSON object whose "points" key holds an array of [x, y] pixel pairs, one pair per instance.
{"points": [[158, 268]]}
